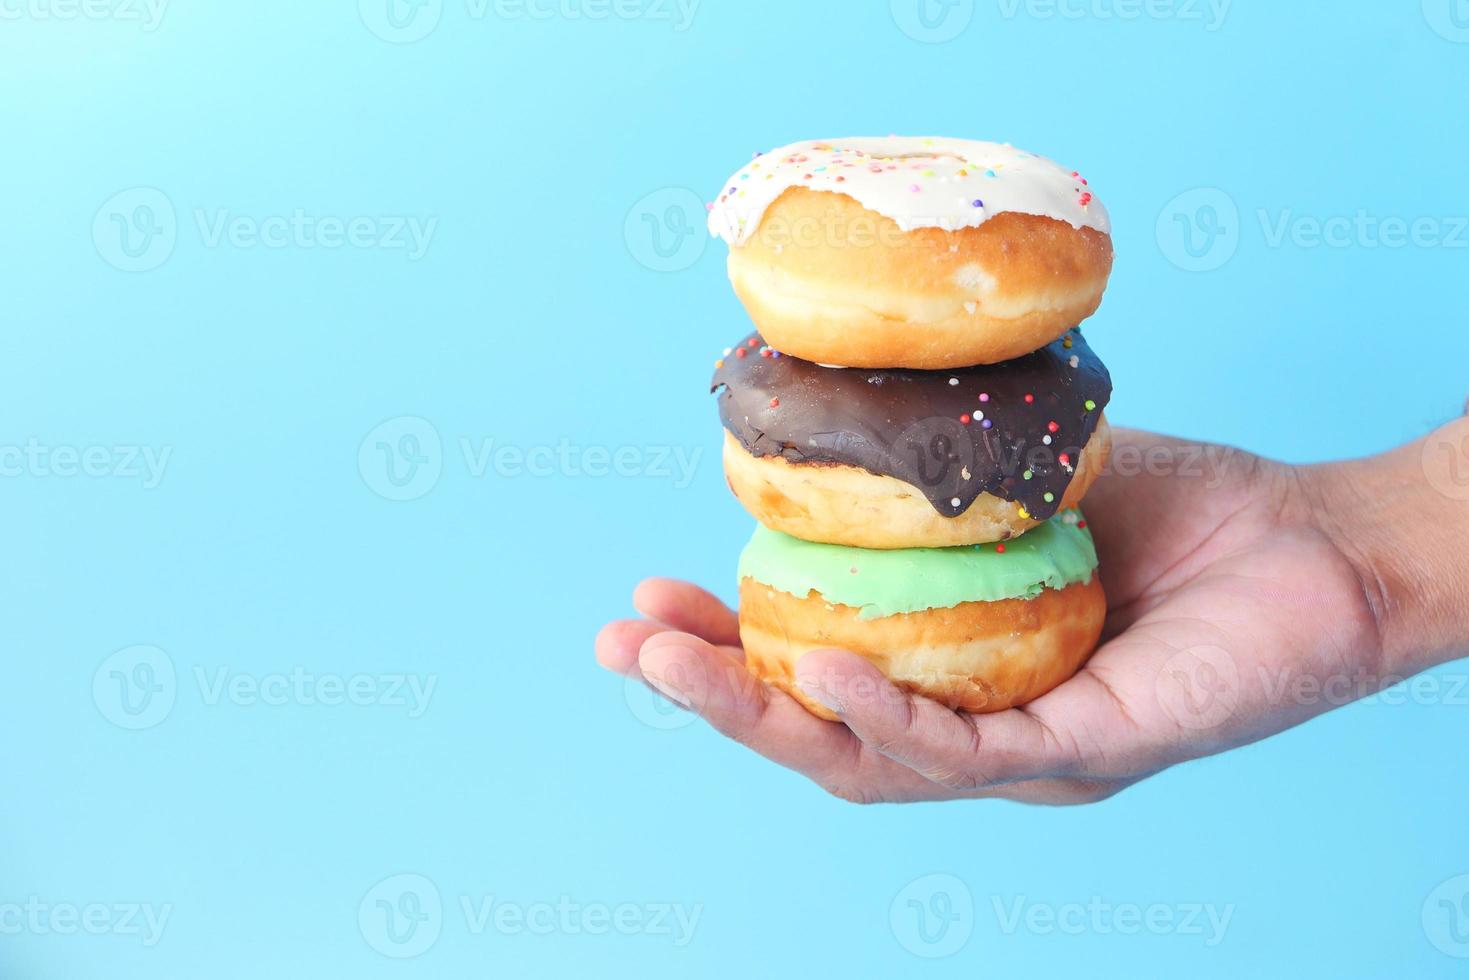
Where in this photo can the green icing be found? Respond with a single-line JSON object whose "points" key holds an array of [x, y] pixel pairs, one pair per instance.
{"points": [[1054, 555]]}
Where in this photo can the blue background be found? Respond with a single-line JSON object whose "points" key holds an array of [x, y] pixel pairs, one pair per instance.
{"points": [[539, 314]]}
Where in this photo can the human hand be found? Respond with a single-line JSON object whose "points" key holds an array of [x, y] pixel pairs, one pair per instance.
{"points": [[1241, 603]]}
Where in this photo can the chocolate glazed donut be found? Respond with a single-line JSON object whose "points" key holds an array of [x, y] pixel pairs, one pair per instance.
{"points": [[1015, 429]]}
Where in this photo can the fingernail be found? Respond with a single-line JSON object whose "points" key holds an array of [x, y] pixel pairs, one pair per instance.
{"points": [[816, 692], [665, 686]]}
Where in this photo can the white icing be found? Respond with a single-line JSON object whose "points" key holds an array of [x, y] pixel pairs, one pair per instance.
{"points": [[918, 182]]}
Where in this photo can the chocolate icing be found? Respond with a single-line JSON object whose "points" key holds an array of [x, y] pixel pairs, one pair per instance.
{"points": [[911, 424]]}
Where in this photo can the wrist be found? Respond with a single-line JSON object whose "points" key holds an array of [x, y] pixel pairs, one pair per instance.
{"points": [[1402, 520]]}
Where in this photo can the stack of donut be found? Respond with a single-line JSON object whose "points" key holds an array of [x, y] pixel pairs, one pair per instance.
{"points": [[917, 416]]}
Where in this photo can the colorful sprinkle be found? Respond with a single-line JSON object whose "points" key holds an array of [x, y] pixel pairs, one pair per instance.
{"points": [[964, 419], [1029, 398], [775, 403], [984, 396], [1049, 497], [999, 548], [1091, 406]]}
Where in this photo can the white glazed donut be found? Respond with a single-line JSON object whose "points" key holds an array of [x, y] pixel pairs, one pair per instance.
{"points": [[912, 252]]}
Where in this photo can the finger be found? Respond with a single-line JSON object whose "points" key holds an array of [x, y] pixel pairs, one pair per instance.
{"points": [[689, 671], [773, 724], [959, 751], [617, 644], [687, 608], [1143, 702]]}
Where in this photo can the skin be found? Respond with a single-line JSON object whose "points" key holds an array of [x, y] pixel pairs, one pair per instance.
{"points": [[1245, 597]]}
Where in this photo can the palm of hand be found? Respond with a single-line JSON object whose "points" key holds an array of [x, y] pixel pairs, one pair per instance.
{"points": [[1228, 612]]}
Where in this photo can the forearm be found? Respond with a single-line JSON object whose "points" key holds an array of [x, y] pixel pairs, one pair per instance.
{"points": [[1402, 518]]}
